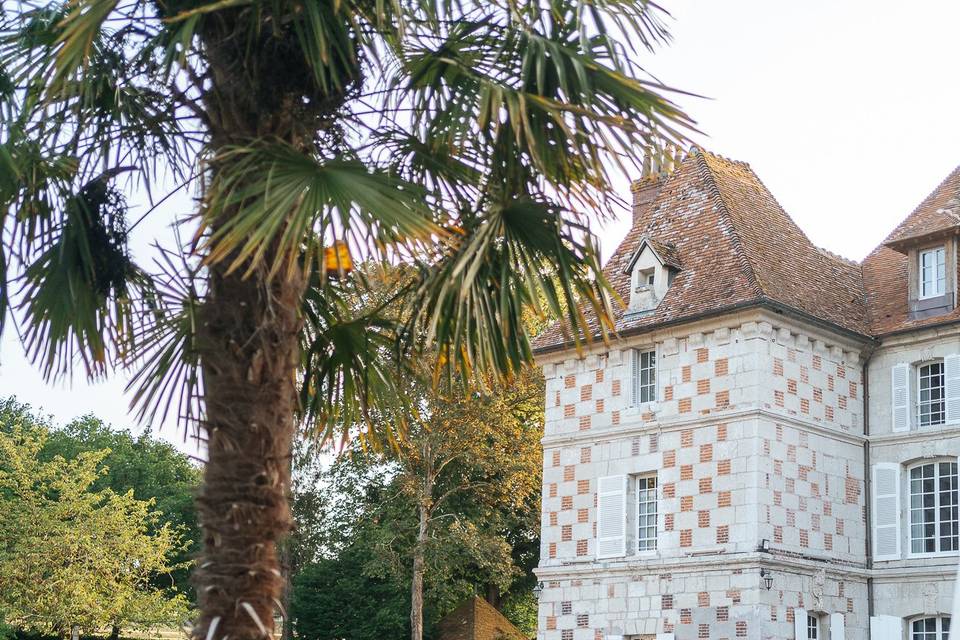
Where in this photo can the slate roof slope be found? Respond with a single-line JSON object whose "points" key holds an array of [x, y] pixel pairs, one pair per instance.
{"points": [[737, 247], [885, 269]]}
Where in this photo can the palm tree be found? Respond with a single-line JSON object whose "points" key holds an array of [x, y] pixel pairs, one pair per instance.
{"points": [[462, 141]]}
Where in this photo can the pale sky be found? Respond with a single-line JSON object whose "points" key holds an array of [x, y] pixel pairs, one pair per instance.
{"points": [[848, 111]]}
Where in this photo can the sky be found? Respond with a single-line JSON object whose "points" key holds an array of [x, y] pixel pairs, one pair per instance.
{"points": [[847, 110]]}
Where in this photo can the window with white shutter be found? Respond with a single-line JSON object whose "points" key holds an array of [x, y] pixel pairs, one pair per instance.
{"points": [[900, 395], [886, 628], [611, 516], [836, 626], [886, 511], [951, 366], [800, 624], [934, 508]]}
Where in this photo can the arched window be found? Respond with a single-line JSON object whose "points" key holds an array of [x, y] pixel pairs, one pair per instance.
{"points": [[930, 628], [933, 508]]}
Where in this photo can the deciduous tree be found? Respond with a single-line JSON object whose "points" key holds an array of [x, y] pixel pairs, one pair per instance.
{"points": [[75, 557]]}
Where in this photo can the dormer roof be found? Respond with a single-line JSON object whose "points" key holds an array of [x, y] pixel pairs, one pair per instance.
{"points": [[937, 216], [665, 252], [740, 248], [885, 270]]}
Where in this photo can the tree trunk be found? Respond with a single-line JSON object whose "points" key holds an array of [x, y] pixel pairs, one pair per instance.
{"points": [[419, 550], [115, 632], [493, 596], [249, 353]]}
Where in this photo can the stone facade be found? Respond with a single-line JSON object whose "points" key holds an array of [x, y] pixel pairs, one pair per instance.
{"points": [[753, 439], [773, 474]]}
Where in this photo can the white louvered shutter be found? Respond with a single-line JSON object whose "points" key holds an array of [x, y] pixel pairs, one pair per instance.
{"points": [[885, 628], [900, 396], [630, 517], [951, 381], [635, 378], [886, 511], [800, 624], [836, 626], [611, 516]]}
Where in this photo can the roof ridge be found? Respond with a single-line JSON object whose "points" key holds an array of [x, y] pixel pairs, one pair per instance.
{"points": [[836, 256], [742, 255]]}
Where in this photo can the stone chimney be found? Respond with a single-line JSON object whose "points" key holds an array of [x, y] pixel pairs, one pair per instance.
{"points": [[657, 165]]}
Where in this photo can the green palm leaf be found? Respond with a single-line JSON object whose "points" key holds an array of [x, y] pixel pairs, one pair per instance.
{"points": [[272, 197]]}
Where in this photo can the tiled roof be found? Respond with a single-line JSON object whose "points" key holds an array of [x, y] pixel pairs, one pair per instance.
{"points": [[738, 247], [885, 269], [476, 619], [938, 213], [667, 251]]}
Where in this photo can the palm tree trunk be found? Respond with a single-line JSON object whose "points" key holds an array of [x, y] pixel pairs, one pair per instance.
{"points": [[249, 351]]}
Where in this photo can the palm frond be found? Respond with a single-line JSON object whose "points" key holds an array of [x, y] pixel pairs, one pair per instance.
{"points": [[526, 254], [76, 293], [352, 372], [164, 355], [272, 197]]}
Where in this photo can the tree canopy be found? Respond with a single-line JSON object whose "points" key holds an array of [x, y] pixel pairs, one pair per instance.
{"points": [[72, 555], [154, 470], [461, 490]]}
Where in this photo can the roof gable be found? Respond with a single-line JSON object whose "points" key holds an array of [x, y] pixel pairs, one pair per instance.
{"points": [[665, 253]]}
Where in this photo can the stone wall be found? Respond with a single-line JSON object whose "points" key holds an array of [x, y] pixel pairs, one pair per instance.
{"points": [[756, 434]]}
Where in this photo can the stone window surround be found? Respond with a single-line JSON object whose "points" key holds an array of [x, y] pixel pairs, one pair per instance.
{"points": [[918, 368], [949, 295], [908, 468], [937, 634], [920, 276]]}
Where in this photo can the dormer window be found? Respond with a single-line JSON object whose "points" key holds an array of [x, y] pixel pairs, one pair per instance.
{"points": [[933, 273], [651, 270]]}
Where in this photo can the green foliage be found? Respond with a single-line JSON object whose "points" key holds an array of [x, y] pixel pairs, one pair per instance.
{"points": [[483, 455], [336, 599], [152, 469], [71, 554], [465, 142]]}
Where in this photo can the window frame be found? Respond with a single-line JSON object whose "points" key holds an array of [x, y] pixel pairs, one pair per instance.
{"points": [[938, 632], [943, 393], [814, 625], [939, 266], [636, 480], [636, 386], [938, 522]]}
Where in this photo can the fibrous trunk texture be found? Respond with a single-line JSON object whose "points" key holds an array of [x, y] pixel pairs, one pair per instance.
{"points": [[249, 350]]}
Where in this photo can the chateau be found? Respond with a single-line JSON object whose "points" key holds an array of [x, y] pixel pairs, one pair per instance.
{"points": [[768, 447]]}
